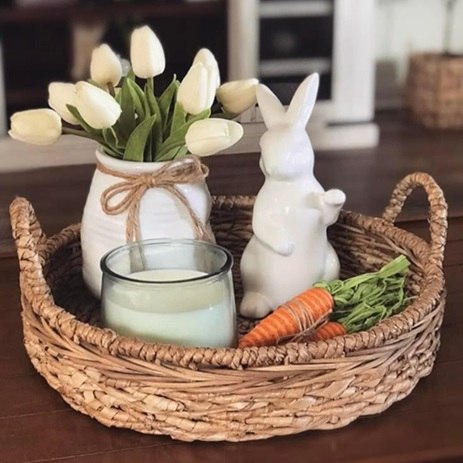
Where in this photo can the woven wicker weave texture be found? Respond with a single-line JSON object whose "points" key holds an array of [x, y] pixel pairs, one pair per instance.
{"points": [[233, 394], [434, 90]]}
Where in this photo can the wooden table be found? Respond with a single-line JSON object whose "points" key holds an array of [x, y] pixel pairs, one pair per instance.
{"points": [[37, 426]]}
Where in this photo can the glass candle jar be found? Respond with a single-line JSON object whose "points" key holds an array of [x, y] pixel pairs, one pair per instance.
{"points": [[170, 291]]}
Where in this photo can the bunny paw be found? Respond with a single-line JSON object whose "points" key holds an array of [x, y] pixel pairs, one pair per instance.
{"points": [[335, 197], [255, 305], [285, 248]]}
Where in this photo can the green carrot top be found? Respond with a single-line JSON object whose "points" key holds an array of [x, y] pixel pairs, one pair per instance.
{"points": [[364, 300]]}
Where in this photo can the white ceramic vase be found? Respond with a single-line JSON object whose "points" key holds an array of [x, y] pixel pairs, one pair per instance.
{"points": [[161, 214]]}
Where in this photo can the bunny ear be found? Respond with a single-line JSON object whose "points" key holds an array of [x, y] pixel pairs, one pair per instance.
{"points": [[303, 101], [273, 112]]}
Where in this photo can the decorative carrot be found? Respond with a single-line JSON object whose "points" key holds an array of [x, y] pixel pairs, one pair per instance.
{"points": [[329, 330], [356, 304], [296, 316]]}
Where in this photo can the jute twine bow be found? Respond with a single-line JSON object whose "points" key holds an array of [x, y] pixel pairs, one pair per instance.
{"points": [[133, 186]]}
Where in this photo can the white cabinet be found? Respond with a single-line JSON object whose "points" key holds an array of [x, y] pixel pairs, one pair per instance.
{"points": [[281, 42]]}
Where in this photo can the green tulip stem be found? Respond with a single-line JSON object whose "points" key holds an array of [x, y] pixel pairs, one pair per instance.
{"points": [[150, 82], [79, 133]]}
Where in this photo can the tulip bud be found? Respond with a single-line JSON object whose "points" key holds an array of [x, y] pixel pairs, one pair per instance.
{"points": [[206, 57], [36, 126], [61, 94], [210, 136], [105, 66], [98, 108], [237, 96], [146, 53], [197, 89]]}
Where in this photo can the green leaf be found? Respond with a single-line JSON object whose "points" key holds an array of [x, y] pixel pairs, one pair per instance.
{"points": [[112, 140], [110, 137], [136, 144], [153, 104], [111, 143], [131, 75], [166, 101], [148, 154], [138, 98], [177, 138], [154, 110], [126, 122], [198, 117], [109, 151], [118, 97], [174, 153], [178, 118]]}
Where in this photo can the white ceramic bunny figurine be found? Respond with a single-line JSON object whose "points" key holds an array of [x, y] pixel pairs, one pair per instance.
{"points": [[289, 250]]}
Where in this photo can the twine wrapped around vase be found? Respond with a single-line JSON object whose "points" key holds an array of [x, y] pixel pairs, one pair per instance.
{"points": [[134, 186]]}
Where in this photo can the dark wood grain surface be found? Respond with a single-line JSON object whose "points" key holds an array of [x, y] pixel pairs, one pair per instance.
{"points": [[37, 426]]}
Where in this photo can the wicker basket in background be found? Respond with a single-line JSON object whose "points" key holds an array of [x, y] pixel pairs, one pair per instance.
{"points": [[234, 394], [434, 90]]}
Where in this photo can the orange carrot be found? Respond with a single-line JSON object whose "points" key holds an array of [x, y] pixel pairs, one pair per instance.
{"points": [[295, 316], [355, 304], [329, 330]]}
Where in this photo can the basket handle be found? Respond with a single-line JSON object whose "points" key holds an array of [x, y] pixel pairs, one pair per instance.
{"points": [[27, 233], [437, 210]]}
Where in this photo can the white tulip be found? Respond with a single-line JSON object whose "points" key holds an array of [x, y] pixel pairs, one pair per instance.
{"points": [[197, 89], [210, 136], [36, 126], [61, 94], [98, 108], [206, 57], [105, 66], [237, 96], [146, 53]]}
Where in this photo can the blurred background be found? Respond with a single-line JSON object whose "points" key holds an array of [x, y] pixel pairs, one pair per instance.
{"points": [[361, 48]]}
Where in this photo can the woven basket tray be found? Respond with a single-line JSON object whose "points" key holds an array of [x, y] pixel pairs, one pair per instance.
{"points": [[233, 394], [434, 90]]}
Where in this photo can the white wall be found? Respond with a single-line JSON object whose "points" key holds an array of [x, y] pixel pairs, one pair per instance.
{"points": [[406, 26]]}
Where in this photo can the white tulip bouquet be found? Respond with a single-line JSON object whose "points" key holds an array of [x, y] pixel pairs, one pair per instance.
{"points": [[128, 120]]}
